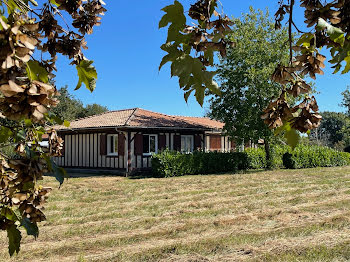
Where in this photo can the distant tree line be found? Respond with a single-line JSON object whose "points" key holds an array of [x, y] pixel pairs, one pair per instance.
{"points": [[334, 130], [71, 108]]}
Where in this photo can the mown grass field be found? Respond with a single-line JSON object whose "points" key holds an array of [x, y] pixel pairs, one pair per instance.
{"points": [[299, 215]]}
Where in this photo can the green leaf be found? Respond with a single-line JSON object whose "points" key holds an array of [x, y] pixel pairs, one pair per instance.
{"points": [[347, 66], [214, 88], [182, 66], [175, 15], [293, 138], [28, 122], [31, 228], [58, 172], [5, 134], [56, 119], [11, 6], [36, 72], [187, 95], [199, 94], [54, 3], [290, 134], [14, 237], [335, 33], [27, 186], [87, 75], [8, 213], [305, 39], [171, 57], [66, 123]]}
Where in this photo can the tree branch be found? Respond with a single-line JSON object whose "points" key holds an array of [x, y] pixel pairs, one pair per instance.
{"points": [[290, 31]]}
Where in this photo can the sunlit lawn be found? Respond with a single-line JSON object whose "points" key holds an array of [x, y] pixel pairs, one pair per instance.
{"points": [[299, 215]]}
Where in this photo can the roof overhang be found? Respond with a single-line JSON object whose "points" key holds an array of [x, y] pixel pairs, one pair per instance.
{"points": [[136, 128]]}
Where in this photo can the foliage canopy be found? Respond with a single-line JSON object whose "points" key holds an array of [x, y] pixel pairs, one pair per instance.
{"points": [[245, 76]]}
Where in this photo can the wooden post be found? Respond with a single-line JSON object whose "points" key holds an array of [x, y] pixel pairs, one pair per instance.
{"points": [[129, 152]]}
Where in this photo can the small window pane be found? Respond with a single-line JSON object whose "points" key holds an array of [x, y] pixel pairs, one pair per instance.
{"points": [[115, 144], [186, 144], [111, 148], [183, 144], [152, 144], [145, 144], [189, 143]]}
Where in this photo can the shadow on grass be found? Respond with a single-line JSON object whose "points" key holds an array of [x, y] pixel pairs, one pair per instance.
{"points": [[147, 173]]}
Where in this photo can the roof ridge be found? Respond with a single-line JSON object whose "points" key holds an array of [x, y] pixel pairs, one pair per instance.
{"points": [[204, 117], [183, 118], [172, 116], [156, 112], [195, 117]]}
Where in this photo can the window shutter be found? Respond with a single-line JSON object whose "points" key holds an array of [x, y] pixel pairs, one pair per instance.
{"points": [[161, 142], [197, 142], [138, 144], [215, 142], [103, 145], [121, 144], [218, 142], [177, 142]]}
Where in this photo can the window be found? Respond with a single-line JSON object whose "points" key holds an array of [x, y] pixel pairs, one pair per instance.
{"points": [[150, 144], [186, 144], [112, 145]]}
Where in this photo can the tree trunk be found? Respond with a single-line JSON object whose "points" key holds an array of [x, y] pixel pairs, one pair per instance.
{"points": [[268, 154]]}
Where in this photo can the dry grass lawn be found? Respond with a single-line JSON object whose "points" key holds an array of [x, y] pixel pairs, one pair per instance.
{"points": [[299, 215]]}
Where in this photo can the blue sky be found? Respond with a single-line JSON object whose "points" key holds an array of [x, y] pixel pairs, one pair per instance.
{"points": [[126, 51]]}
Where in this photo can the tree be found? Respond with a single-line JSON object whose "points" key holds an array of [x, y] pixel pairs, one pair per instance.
{"points": [[346, 100], [190, 50], [71, 108], [245, 77], [331, 130], [92, 109], [30, 41]]}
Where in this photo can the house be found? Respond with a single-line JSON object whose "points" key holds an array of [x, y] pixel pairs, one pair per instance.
{"points": [[126, 139]]}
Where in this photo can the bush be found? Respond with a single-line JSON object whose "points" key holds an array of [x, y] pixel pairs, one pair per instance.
{"points": [[171, 163], [257, 156], [314, 156]]}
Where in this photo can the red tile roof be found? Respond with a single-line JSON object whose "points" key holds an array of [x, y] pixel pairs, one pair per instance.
{"points": [[205, 121], [140, 118]]}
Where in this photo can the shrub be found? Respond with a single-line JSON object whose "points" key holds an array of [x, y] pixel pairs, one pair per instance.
{"points": [[171, 163], [257, 156], [315, 156]]}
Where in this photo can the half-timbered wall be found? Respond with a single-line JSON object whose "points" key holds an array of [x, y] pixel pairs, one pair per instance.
{"points": [[83, 151]]}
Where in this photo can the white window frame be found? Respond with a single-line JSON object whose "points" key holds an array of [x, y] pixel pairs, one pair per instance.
{"points": [[192, 143], [149, 144], [115, 136]]}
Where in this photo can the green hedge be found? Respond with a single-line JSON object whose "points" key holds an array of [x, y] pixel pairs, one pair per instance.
{"points": [[171, 163], [314, 156], [257, 159]]}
